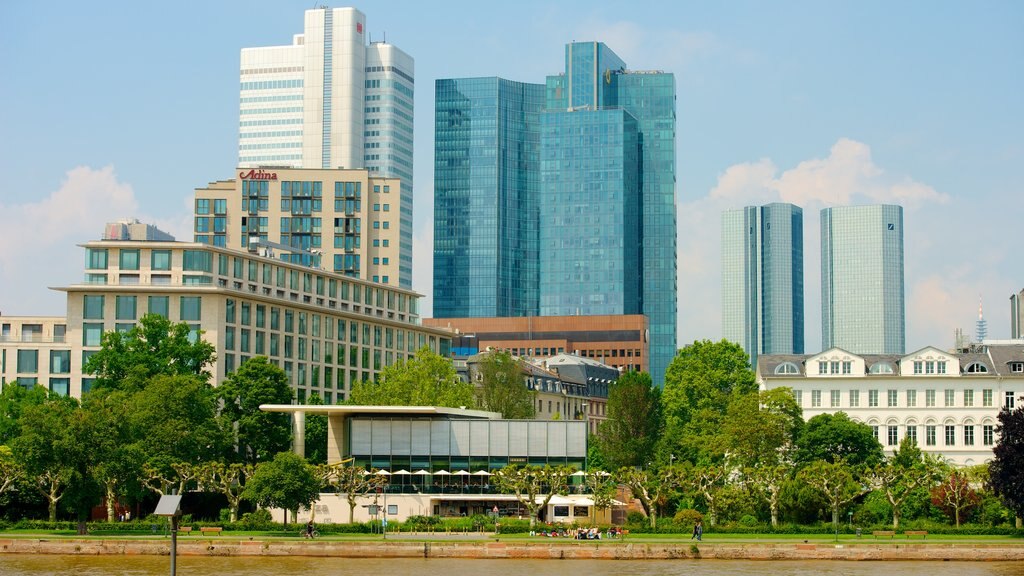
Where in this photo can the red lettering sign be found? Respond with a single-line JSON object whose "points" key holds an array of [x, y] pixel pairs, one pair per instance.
{"points": [[257, 175], [359, 27]]}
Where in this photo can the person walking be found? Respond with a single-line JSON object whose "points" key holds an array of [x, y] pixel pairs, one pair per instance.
{"points": [[700, 530], [695, 525]]}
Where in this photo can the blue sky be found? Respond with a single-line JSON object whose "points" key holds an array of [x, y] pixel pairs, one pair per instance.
{"points": [[117, 109]]}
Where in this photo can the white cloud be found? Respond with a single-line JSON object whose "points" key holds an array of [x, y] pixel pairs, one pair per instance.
{"points": [[39, 249]]}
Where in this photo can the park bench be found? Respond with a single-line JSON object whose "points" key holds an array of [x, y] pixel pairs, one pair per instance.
{"points": [[184, 529], [921, 533], [210, 530], [877, 533]]}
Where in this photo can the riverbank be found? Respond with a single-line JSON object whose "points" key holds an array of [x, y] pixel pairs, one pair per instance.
{"points": [[537, 550]]}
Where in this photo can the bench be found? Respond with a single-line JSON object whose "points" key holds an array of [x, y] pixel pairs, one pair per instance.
{"points": [[877, 533], [210, 530], [184, 529], [921, 533]]}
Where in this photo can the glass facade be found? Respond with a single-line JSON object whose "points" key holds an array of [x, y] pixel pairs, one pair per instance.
{"points": [[763, 279], [604, 165], [862, 293]]}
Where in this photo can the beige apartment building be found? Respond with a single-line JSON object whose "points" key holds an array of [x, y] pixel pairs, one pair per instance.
{"points": [[326, 330], [342, 221]]}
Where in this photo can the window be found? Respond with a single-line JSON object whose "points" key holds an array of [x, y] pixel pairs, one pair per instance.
{"points": [[834, 400], [1008, 399], [854, 398], [129, 260], [929, 435], [160, 305], [950, 398], [918, 367], [92, 334], [891, 398], [815, 398], [92, 307], [229, 311], [834, 367], [160, 260], [873, 398], [196, 261], [1017, 367], [798, 395], [976, 368], [968, 398], [986, 398], [28, 361], [968, 435], [950, 435], [929, 398], [911, 398], [881, 368], [941, 366], [60, 361], [988, 435], [96, 258], [822, 367], [125, 308], [847, 365], [929, 367], [191, 308], [874, 432], [912, 433], [892, 435], [202, 206], [60, 386]]}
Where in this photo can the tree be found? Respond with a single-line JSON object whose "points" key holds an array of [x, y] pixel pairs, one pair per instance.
{"points": [[49, 450], [285, 482], [355, 483], [10, 470], [834, 437], [955, 495], [629, 435], [835, 481], [155, 346], [316, 432], [533, 486], [14, 400], [900, 476], [502, 387], [708, 482], [426, 379], [651, 487], [770, 479], [117, 463], [1006, 471], [259, 435], [761, 429], [226, 479]]}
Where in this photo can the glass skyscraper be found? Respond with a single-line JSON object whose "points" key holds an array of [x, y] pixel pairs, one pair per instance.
{"points": [[584, 180], [332, 99], [862, 295], [763, 279]]}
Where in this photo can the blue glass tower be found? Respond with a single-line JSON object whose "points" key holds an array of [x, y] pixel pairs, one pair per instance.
{"points": [[599, 180], [486, 153]]}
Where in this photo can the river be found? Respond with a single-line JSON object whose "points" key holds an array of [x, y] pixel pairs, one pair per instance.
{"points": [[36, 565]]}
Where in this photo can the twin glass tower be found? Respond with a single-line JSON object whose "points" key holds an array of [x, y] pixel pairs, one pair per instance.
{"points": [[558, 199]]}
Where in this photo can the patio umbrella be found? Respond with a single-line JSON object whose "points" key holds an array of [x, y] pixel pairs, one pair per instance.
{"points": [[481, 473], [401, 473], [462, 473], [382, 473], [443, 473], [420, 473], [578, 473]]}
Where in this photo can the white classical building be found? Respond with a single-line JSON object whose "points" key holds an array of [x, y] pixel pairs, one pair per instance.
{"points": [[947, 402]]}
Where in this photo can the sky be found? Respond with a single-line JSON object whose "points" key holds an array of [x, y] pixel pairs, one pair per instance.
{"points": [[115, 109]]}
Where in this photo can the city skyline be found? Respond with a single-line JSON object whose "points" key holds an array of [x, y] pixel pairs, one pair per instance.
{"points": [[816, 105]]}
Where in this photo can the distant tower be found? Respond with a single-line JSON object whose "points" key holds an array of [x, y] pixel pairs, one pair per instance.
{"points": [[981, 327]]}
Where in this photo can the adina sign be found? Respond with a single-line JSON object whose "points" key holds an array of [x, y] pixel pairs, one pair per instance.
{"points": [[257, 175]]}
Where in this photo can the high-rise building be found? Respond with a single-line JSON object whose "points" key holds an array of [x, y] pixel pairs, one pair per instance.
{"points": [[589, 184], [344, 221], [1017, 315], [332, 99], [486, 154], [862, 294], [763, 279]]}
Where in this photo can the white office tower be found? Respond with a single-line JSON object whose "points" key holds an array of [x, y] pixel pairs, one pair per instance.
{"points": [[332, 99]]}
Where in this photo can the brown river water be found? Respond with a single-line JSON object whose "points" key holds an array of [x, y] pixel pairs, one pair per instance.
{"points": [[21, 565]]}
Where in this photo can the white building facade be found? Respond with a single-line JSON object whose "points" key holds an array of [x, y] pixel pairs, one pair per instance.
{"points": [[332, 99], [947, 402]]}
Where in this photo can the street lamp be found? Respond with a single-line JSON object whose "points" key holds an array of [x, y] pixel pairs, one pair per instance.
{"points": [[170, 506]]}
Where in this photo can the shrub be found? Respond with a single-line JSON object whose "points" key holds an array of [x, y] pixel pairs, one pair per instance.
{"points": [[748, 521], [260, 519], [634, 517], [688, 517]]}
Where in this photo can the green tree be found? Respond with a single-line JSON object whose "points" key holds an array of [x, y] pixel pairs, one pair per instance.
{"points": [[117, 463], [316, 432], [651, 487], [355, 483], [769, 480], [14, 400], [259, 435], [707, 481], [226, 479], [629, 435], [426, 379], [286, 482], [1006, 471], [700, 383], [155, 346], [834, 437], [502, 387], [900, 476], [836, 481], [533, 486], [761, 429], [10, 470], [49, 449]]}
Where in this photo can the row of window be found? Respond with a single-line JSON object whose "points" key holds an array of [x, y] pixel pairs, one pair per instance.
{"points": [[925, 367], [968, 398], [28, 361], [892, 437], [126, 308]]}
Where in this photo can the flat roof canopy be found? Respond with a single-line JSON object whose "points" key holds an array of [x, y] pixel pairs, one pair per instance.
{"points": [[351, 410]]}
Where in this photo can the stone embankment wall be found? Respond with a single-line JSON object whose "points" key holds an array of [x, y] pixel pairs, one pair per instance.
{"points": [[533, 550]]}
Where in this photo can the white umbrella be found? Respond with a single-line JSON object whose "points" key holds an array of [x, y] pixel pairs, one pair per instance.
{"points": [[443, 473], [383, 473], [419, 473], [401, 473], [462, 473], [578, 473], [481, 473]]}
